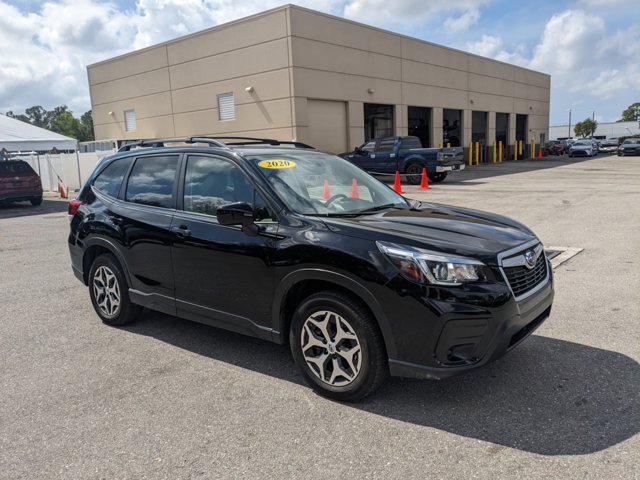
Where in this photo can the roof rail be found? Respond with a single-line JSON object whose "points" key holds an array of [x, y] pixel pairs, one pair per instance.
{"points": [[213, 141]]}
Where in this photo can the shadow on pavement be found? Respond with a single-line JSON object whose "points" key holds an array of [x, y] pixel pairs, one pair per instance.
{"points": [[24, 209], [548, 396]]}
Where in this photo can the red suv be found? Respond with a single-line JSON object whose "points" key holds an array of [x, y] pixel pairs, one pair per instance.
{"points": [[19, 182]]}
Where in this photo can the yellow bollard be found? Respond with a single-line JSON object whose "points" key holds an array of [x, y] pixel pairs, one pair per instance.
{"points": [[500, 151], [477, 153], [439, 145], [533, 149], [515, 152], [520, 148], [471, 154], [448, 145], [494, 153]]}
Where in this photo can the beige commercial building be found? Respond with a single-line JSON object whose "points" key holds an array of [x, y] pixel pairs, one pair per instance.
{"points": [[293, 73]]}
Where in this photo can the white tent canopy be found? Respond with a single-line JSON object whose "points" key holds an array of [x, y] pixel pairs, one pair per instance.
{"points": [[17, 136]]}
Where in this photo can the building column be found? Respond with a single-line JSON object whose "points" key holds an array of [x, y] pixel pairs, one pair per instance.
{"points": [[401, 120], [355, 119], [299, 121], [511, 136], [436, 126], [466, 127], [491, 128]]}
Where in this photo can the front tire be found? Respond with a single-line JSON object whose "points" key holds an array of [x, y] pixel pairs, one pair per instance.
{"points": [[35, 201], [438, 177], [110, 292], [337, 345]]}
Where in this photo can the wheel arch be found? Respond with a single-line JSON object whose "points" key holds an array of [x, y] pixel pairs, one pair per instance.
{"points": [[302, 283], [98, 246]]}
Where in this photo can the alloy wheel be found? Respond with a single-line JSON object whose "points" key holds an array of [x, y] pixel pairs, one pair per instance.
{"points": [[331, 348], [106, 290]]}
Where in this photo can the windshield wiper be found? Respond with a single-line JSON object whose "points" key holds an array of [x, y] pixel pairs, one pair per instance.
{"points": [[377, 208]]}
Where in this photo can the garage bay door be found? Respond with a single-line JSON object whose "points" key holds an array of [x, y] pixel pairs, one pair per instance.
{"points": [[327, 122]]}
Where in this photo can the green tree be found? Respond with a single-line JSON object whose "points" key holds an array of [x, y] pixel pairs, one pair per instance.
{"points": [[585, 128], [631, 113], [86, 127], [18, 116], [38, 116], [64, 123]]}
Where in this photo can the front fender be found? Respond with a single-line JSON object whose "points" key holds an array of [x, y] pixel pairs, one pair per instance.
{"points": [[344, 281]]}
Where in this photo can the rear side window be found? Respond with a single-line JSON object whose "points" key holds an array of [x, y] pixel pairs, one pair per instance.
{"points": [[386, 145], [411, 142], [110, 179], [151, 181], [369, 146]]}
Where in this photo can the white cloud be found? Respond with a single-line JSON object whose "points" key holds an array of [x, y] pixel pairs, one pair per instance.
{"points": [[463, 21], [408, 12], [492, 46], [43, 55]]}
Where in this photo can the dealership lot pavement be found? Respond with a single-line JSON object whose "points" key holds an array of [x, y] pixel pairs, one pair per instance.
{"points": [[167, 398]]}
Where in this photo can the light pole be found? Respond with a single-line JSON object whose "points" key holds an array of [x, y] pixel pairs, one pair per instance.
{"points": [[569, 132], [593, 119]]}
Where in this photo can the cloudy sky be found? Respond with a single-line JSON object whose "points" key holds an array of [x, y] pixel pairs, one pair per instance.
{"points": [[590, 47]]}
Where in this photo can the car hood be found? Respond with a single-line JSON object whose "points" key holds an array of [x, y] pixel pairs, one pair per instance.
{"points": [[580, 147], [443, 228]]}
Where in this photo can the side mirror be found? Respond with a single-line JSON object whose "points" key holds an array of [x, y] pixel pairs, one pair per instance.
{"points": [[238, 214], [359, 150]]}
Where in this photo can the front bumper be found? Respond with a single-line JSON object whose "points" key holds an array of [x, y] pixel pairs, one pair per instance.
{"points": [[449, 168], [462, 336]]}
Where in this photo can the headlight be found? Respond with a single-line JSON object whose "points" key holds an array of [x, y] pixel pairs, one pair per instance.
{"points": [[422, 265]]}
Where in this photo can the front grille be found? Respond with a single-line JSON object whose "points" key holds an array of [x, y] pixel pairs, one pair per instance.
{"points": [[523, 279]]}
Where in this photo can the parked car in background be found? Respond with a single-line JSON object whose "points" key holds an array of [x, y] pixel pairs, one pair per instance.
{"points": [[554, 147], [406, 155], [609, 145], [631, 146], [298, 246], [19, 182], [583, 148]]}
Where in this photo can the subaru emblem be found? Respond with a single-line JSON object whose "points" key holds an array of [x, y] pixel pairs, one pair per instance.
{"points": [[530, 258]]}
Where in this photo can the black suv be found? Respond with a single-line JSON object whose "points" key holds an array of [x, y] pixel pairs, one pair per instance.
{"points": [[286, 243]]}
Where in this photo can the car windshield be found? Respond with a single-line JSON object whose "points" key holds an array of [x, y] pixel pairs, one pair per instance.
{"points": [[315, 183], [631, 140], [581, 143]]}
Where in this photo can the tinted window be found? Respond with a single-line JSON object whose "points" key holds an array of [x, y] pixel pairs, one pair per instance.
{"points": [[15, 167], [368, 147], [386, 145], [151, 181], [110, 179], [411, 142], [212, 182]]}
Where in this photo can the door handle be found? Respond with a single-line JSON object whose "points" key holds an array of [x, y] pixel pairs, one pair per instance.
{"points": [[181, 230]]}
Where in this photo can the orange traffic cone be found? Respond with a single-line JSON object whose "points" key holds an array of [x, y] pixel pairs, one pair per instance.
{"points": [[325, 191], [540, 153], [61, 188], [397, 186], [424, 182], [354, 189]]}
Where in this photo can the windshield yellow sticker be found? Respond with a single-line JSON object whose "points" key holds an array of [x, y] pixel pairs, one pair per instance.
{"points": [[277, 163]]}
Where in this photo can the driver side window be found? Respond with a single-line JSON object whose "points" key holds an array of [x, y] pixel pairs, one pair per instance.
{"points": [[212, 182], [369, 147]]}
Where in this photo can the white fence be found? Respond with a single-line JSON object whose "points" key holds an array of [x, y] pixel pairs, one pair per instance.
{"points": [[73, 169]]}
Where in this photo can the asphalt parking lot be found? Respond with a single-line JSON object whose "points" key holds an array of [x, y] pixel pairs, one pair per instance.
{"points": [[167, 398]]}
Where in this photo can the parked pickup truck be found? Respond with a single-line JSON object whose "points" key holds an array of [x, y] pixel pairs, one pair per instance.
{"points": [[406, 155]]}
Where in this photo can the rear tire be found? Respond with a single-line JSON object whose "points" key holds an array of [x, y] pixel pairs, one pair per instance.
{"points": [[110, 292], [414, 172], [35, 201], [343, 356]]}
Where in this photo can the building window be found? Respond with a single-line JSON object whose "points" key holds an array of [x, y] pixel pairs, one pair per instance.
{"points": [[451, 127], [130, 120], [419, 124], [226, 106]]}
